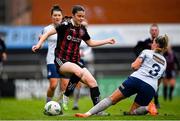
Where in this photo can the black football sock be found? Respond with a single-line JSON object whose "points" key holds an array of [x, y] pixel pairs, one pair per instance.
{"points": [[95, 95], [165, 92], [171, 92], [71, 85]]}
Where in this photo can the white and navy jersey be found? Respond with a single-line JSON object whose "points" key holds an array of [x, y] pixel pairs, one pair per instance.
{"points": [[152, 68], [52, 40]]}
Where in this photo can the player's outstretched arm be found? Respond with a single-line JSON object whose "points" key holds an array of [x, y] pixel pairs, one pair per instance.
{"points": [[42, 39], [94, 43]]}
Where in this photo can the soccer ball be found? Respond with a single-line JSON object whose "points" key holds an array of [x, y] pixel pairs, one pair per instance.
{"points": [[52, 108]]}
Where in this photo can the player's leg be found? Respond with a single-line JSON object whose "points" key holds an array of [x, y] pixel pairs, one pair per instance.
{"points": [[126, 89], [103, 104], [165, 87], [53, 77], [63, 84], [142, 105], [156, 99], [142, 110], [1, 69], [51, 88], [76, 96], [136, 109], [82, 74], [172, 85]]}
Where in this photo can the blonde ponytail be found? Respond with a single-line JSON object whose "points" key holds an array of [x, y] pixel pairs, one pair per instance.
{"points": [[163, 43]]}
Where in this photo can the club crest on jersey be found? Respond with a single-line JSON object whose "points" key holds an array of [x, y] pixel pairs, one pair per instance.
{"points": [[69, 37]]}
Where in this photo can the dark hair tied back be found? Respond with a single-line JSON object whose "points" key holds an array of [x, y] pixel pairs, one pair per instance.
{"points": [[55, 8]]}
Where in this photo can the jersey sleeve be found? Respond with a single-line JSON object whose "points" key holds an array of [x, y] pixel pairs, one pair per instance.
{"points": [[44, 31], [86, 36], [61, 26], [142, 55]]}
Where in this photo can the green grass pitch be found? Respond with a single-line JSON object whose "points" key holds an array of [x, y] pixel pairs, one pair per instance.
{"points": [[12, 109]]}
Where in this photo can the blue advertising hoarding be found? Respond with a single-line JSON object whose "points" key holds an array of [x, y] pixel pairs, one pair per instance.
{"points": [[17, 37]]}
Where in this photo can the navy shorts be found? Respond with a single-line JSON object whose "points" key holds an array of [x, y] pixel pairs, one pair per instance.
{"points": [[52, 72], [144, 91], [170, 74]]}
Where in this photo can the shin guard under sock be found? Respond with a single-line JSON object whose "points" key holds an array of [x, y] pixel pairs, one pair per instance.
{"points": [[95, 95], [72, 84]]}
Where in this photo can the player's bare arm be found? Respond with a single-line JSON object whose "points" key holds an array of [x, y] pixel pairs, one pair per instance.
{"points": [[94, 43], [136, 64], [42, 39]]}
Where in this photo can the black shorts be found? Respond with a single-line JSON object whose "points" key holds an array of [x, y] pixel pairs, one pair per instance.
{"points": [[59, 62]]}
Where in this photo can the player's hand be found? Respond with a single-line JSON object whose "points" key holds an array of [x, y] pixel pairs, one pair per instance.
{"points": [[35, 48], [4, 56], [111, 41]]}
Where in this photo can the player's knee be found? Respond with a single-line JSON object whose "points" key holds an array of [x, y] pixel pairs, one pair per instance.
{"points": [[88, 78], [79, 73], [53, 87]]}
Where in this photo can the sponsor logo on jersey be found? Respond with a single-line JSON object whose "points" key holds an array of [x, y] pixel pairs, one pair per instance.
{"points": [[74, 39]]}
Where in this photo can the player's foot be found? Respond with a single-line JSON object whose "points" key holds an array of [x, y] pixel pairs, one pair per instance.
{"points": [[61, 112], [75, 108], [152, 109], [103, 114], [158, 106], [65, 102], [126, 113], [81, 115], [65, 106], [46, 113]]}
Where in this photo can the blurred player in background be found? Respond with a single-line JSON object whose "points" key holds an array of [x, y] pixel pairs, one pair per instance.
{"points": [[170, 73], [149, 66], [53, 75], [70, 34], [146, 44], [3, 55]]}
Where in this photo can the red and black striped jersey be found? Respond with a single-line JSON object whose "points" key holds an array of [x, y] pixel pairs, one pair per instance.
{"points": [[69, 40]]}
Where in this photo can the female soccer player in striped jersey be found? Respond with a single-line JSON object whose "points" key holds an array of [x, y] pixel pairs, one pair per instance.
{"points": [[70, 34], [150, 66]]}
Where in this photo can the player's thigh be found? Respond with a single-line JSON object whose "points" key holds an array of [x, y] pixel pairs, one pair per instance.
{"points": [[172, 81], [145, 94], [165, 81], [72, 68]]}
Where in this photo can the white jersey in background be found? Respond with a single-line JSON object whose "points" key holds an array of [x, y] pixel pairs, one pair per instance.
{"points": [[152, 68], [52, 40]]}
